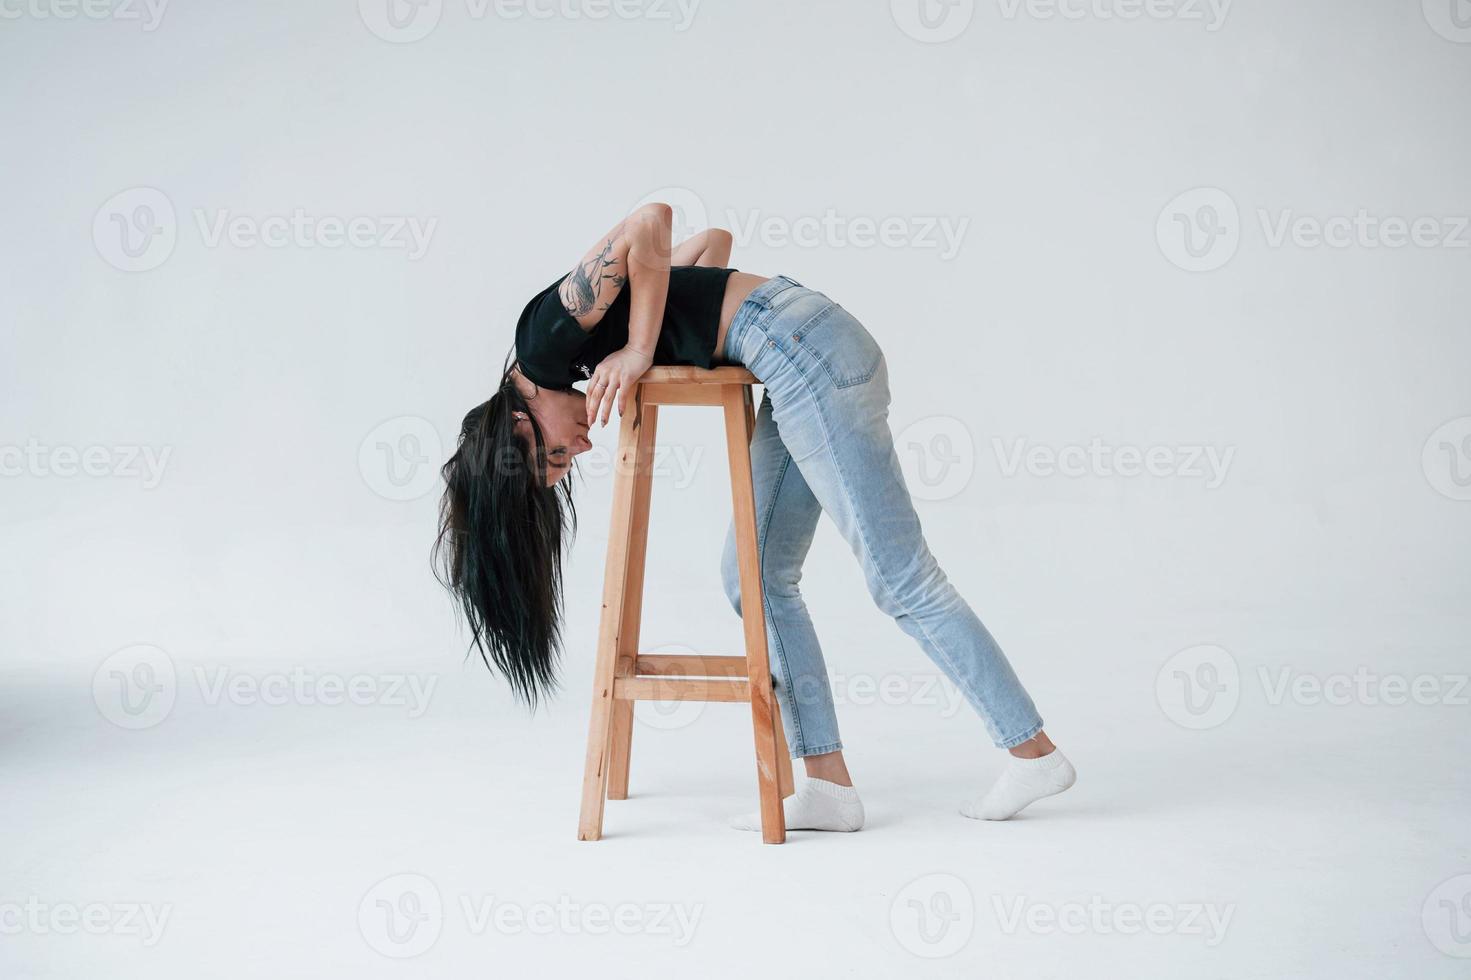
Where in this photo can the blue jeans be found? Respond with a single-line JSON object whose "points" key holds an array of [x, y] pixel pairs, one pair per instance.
{"points": [[822, 443]]}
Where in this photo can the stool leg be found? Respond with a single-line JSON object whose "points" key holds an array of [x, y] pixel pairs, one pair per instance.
{"points": [[633, 603], [784, 784], [615, 583], [737, 402]]}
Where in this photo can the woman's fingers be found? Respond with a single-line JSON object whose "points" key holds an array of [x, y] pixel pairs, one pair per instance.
{"points": [[604, 384], [609, 393], [594, 396]]}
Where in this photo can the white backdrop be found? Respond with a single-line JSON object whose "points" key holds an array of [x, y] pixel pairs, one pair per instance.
{"points": [[1174, 297]]}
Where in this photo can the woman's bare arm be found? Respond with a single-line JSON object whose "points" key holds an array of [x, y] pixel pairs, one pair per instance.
{"points": [[710, 248], [641, 245]]}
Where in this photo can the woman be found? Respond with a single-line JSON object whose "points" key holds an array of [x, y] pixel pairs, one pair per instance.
{"points": [[822, 444]]}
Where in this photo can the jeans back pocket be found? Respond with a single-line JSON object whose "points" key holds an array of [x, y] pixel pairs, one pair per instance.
{"points": [[847, 352]]}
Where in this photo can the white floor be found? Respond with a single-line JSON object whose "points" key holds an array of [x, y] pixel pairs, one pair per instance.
{"points": [[1294, 839]]}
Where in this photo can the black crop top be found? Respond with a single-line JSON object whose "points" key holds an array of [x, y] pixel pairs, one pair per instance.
{"points": [[554, 351]]}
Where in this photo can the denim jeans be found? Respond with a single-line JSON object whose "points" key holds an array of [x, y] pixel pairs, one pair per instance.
{"points": [[822, 444]]}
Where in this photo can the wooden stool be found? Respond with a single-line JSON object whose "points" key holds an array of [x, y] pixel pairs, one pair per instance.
{"points": [[622, 674]]}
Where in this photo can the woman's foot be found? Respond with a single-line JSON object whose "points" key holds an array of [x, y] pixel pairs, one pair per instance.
{"points": [[818, 805], [1024, 782]]}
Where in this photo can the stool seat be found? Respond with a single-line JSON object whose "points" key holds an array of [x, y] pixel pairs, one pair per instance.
{"points": [[622, 673], [680, 374]]}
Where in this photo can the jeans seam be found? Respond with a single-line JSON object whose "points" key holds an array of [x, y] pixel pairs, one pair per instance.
{"points": [[843, 481], [771, 632], [817, 750]]}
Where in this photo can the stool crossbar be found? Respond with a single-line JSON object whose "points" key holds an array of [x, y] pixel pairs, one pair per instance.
{"points": [[623, 675]]}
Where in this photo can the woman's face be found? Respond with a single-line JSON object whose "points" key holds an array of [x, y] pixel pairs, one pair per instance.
{"points": [[562, 416]]}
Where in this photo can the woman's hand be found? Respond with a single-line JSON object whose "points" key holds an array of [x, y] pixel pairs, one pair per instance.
{"points": [[613, 380]]}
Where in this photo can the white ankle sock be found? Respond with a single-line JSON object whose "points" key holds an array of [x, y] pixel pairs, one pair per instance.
{"points": [[1025, 781], [817, 805]]}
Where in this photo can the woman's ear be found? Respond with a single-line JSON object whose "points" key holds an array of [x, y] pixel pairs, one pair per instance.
{"points": [[520, 416]]}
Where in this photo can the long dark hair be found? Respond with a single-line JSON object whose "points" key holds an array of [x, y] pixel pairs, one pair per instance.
{"points": [[502, 533]]}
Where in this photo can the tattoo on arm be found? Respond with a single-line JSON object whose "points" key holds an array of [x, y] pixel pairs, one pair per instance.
{"points": [[583, 287]]}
